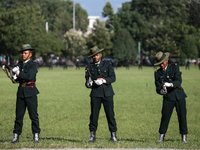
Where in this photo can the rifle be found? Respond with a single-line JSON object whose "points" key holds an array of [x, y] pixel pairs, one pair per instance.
{"points": [[88, 77], [8, 70], [164, 87]]}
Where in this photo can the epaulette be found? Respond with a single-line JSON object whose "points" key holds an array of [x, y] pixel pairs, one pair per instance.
{"points": [[159, 69], [88, 65], [173, 64], [108, 61]]}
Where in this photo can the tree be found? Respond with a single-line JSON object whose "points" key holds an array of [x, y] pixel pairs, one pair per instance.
{"points": [[20, 26], [24, 22], [164, 25], [193, 11], [81, 18], [75, 44], [51, 9], [50, 43], [189, 48], [157, 24], [124, 46], [108, 10], [134, 22], [112, 22], [198, 40], [101, 38], [64, 19]]}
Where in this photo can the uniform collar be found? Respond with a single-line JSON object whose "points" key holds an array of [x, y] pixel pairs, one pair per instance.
{"points": [[165, 68], [24, 62], [98, 63]]}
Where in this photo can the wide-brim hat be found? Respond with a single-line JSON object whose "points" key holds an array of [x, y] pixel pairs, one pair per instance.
{"points": [[161, 57], [26, 47], [95, 50]]}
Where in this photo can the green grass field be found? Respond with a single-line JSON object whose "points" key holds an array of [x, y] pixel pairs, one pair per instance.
{"points": [[64, 110]]}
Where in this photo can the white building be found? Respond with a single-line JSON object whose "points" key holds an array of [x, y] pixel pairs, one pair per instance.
{"points": [[92, 20]]}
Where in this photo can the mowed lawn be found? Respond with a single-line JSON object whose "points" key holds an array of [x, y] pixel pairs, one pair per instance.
{"points": [[64, 110]]}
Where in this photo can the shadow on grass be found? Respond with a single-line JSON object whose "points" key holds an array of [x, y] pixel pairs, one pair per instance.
{"points": [[134, 140], [44, 138], [59, 139]]}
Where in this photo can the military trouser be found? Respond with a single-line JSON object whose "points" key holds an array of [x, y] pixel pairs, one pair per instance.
{"points": [[31, 103], [167, 110], [109, 110]]}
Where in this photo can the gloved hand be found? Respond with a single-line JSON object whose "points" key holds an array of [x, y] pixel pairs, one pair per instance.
{"points": [[14, 77], [16, 70], [164, 88], [89, 83], [167, 84], [163, 91], [98, 82], [103, 80]]}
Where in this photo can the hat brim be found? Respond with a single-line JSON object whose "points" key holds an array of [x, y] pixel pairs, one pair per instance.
{"points": [[31, 49], [96, 53], [160, 62]]}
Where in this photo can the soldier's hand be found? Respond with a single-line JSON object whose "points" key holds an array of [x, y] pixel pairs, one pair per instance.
{"points": [[98, 82], [163, 92], [168, 84], [103, 80], [16, 70], [14, 77], [164, 88], [89, 83]]}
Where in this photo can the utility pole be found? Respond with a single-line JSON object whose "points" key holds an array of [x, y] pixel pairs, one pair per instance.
{"points": [[74, 16], [47, 27], [73, 25], [139, 57]]}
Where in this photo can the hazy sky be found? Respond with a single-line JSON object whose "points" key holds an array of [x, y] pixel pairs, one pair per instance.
{"points": [[95, 7]]}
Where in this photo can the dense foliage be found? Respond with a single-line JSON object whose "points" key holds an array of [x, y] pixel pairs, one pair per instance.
{"points": [[24, 22], [159, 25]]}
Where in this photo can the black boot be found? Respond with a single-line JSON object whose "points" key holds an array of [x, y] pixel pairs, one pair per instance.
{"points": [[184, 138], [162, 136], [36, 137], [15, 138], [113, 136], [92, 137]]}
